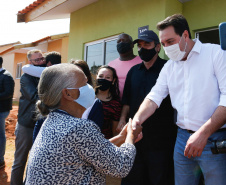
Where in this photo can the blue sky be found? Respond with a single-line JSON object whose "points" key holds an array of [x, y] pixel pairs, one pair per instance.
{"points": [[11, 31]]}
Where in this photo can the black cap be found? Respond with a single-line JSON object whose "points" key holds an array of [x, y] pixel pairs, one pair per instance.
{"points": [[147, 36]]}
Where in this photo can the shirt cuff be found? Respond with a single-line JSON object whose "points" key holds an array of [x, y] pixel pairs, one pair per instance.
{"points": [[222, 100], [153, 96]]}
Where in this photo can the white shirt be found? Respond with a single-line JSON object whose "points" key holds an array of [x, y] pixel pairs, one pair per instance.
{"points": [[196, 86], [32, 70]]}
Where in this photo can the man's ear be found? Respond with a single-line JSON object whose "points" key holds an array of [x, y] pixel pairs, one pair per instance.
{"points": [[186, 35], [48, 64], [67, 95], [158, 47]]}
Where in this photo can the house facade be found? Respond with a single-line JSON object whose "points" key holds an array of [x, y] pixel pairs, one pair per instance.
{"points": [[15, 55], [95, 24]]}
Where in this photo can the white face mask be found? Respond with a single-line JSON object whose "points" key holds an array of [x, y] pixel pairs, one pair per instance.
{"points": [[86, 97], [174, 52]]}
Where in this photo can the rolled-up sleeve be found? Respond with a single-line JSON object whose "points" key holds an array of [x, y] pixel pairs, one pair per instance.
{"points": [[220, 72]]}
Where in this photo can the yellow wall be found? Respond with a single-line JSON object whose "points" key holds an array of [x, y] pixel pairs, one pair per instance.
{"points": [[107, 18], [19, 57], [61, 46], [8, 62], [64, 50], [55, 46], [206, 14], [172, 7], [42, 46]]}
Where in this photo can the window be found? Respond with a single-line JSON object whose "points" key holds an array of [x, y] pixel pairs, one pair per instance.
{"points": [[18, 70], [100, 52], [208, 36]]}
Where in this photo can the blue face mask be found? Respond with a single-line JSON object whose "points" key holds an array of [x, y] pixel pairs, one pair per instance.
{"points": [[86, 97]]}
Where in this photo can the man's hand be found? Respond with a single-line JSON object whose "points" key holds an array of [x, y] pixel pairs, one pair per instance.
{"points": [[137, 133], [139, 137], [135, 122], [198, 140], [195, 145]]}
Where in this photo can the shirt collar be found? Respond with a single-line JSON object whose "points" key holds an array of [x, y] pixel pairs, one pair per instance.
{"points": [[197, 47], [1, 69], [142, 66]]}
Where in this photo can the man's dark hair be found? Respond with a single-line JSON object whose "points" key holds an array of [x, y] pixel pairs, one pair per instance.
{"points": [[1, 61], [130, 38], [53, 57], [179, 23]]}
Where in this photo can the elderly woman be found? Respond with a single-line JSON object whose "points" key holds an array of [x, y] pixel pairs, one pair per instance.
{"points": [[68, 149]]}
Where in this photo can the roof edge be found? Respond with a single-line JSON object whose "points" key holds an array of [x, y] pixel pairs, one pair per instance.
{"points": [[35, 43]]}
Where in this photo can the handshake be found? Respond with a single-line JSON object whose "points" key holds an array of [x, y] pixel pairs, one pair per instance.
{"points": [[131, 134]]}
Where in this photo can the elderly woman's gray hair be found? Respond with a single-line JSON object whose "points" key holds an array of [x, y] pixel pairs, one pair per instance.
{"points": [[52, 81]]}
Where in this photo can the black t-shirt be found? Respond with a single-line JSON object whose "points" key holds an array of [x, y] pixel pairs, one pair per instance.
{"points": [[139, 82]]}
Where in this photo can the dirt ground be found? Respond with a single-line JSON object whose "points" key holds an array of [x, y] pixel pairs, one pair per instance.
{"points": [[5, 173]]}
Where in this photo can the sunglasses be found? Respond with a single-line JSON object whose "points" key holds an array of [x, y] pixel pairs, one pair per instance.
{"points": [[38, 59]]}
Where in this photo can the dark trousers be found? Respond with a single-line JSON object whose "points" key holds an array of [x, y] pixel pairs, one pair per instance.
{"points": [[153, 164], [23, 144]]}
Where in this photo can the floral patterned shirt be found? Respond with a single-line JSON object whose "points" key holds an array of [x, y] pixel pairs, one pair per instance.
{"points": [[71, 150]]}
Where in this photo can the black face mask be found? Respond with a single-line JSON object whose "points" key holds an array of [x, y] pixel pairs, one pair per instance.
{"points": [[123, 47], [147, 54], [103, 84]]}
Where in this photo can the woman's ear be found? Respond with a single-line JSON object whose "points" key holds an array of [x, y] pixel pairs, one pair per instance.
{"points": [[67, 95]]}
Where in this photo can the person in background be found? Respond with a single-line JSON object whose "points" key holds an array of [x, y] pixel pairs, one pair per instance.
{"points": [[195, 79], [26, 118], [108, 92], [154, 160], [94, 112], [71, 150], [6, 99], [85, 68], [126, 59], [51, 58]]}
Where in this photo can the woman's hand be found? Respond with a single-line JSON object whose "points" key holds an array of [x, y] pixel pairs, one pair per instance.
{"points": [[128, 135], [121, 125], [120, 138]]}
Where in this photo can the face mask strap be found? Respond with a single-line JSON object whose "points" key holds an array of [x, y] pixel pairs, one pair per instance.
{"points": [[185, 42], [180, 38], [72, 88], [185, 47]]}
